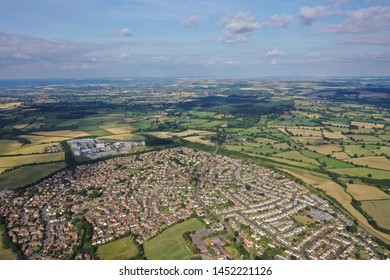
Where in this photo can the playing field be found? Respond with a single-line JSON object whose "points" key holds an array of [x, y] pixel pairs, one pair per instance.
{"points": [[170, 244], [12, 161], [374, 162], [379, 210], [364, 192], [121, 249], [5, 254], [28, 174]]}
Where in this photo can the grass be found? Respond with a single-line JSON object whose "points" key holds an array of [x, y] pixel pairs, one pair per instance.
{"points": [[372, 161], [5, 254], [9, 146], [35, 139], [364, 192], [234, 253], [62, 133], [363, 172], [303, 219], [28, 174], [327, 149], [121, 249], [305, 132], [13, 161], [379, 210], [124, 137], [118, 129], [170, 245], [198, 139], [332, 163], [309, 178], [295, 155]]}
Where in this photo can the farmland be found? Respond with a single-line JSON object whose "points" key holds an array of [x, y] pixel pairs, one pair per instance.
{"points": [[14, 161], [170, 245], [379, 210]]}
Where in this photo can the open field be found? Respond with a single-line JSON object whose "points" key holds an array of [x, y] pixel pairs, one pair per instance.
{"points": [[124, 137], [61, 133], [10, 105], [118, 129], [366, 138], [198, 139], [170, 245], [363, 172], [364, 192], [121, 249], [341, 155], [12, 161], [379, 210], [309, 140], [326, 149], [295, 155], [35, 139], [304, 220], [374, 162], [305, 132], [334, 135], [306, 177], [192, 131], [28, 174], [368, 125], [5, 254], [20, 149]]}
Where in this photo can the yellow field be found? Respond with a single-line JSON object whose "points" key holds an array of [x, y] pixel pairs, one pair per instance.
{"points": [[121, 129], [10, 105], [7, 146], [366, 138], [62, 133], [334, 135], [335, 124], [198, 139], [379, 210], [310, 140], [374, 162], [12, 161], [327, 149], [341, 155], [305, 132], [368, 125], [35, 139], [20, 126], [263, 140], [338, 193], [26, 149], [123, 137], [306, 177], [161, 134], [192, 131], [363, 192]]}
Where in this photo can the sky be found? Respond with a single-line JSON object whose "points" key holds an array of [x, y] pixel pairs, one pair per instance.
{"points": [[197, 38]]}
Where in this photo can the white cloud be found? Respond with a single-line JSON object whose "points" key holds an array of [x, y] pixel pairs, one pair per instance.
{"points": [[232, 62], [22, 56], [362, 20], [125, 32], [160, 58], [281, 21], [275, 53], [124, 57], [190, 21], [310, 15], [239, 28]]}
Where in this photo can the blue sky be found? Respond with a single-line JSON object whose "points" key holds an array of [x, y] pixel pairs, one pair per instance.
{"points": [[246, 38]]}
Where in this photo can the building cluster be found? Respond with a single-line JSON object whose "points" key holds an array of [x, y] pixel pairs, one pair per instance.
{"points": [[142, 194], [96, 148]]}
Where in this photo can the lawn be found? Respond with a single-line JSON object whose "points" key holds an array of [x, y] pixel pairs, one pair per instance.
{"points": [[304, 220], [170, 245], [121, 249], [5, 254], [379, 210], [28, 174], [12, 161]]}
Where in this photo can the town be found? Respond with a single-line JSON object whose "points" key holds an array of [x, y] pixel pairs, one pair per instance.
{"points": [[237, 202]]}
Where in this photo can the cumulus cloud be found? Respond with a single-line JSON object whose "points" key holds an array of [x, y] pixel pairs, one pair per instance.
{"points": [[239, 28], [310, 15], [275, 53], [381, 40], [362, 20], [125, 32], [281, 21], [190, 21]]}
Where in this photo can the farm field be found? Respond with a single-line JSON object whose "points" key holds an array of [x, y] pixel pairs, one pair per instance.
{"points": [[308, 178], [374, 162], [379, 210], [5, 254], [326, 149], [364, 192], [35, 139], [170, 245], [363, 172], [25, 175], [12, 161], [62, 133], [198, 139], [121, 249]]}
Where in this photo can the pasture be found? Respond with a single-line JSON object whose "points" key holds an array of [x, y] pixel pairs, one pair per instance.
{"points": [[200, 140], [170, 245], [12, 161], [364, 192], [379, 210], [363, 172], [372, 161], [121, 249], [61, 133], [326, 149]]}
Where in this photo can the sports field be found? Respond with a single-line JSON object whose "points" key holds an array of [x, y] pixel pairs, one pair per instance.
{"points": [[121, 249], [170, 244]]}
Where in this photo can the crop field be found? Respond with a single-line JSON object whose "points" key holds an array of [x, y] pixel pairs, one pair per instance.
{"points": [[118, 129], [379, 210], [305, 132], [295, 155], [5, 254], [341, 155], [363, 172], [368, 125], [364, 192], [331, 163], [309, 140], [121, 249], [11, 161], [374, 162], [28, 174], [62, 133], [326, 149], [124, 137], [170, 245], [294, 163], [192, 131], [334, 135], [35, 139], [198, 139], [10, 105], [366, 138], [306, 177]]}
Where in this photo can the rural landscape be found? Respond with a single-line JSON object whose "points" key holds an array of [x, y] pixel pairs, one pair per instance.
{"points": [[195, 168]]}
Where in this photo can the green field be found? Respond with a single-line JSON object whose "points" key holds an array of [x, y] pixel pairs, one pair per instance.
{"points": [[5, 254], [28, 174], [363, 172], [170, 245], [379, 210], [121, 249], [12, 161]]}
